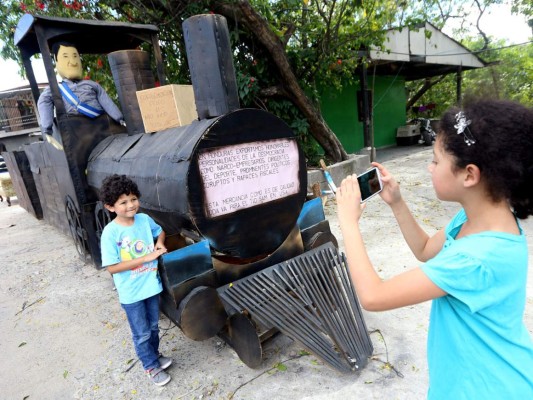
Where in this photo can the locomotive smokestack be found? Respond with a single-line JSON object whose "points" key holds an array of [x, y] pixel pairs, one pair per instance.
{"points": [[211, 65], [131, 72]]}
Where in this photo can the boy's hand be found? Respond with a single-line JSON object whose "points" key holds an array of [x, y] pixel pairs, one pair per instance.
{"points": [[160, 250], [155, 254], [391, 189], [159, 246]]}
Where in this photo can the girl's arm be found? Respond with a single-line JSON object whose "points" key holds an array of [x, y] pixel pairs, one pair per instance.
{"points": [[408, 288], [159, 249], [421, 244]]}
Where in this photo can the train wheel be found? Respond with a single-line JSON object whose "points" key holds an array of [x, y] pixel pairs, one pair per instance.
{"points": [[243, 338], [201, 314], [102, 218], [76, 229]]}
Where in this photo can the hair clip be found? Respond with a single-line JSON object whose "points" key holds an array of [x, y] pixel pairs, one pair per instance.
{"points": [[462, 127]]}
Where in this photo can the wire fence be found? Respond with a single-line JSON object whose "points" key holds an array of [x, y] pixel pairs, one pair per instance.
{"points": [[18, 123]]}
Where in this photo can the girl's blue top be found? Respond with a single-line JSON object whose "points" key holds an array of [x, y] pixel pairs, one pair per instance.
{"points": [[478, 346]]}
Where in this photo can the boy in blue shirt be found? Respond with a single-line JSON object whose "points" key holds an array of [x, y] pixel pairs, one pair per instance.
{"points": [[129, 254]]}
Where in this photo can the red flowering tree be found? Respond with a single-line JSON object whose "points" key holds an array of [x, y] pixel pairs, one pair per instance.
{"points": [[285, 51]]}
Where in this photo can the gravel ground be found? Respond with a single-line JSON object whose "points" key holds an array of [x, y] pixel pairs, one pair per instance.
{"points": [[64, 336]]}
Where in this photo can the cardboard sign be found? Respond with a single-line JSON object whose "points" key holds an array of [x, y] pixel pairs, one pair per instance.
{"points": [[245, 175], [167, 107]]}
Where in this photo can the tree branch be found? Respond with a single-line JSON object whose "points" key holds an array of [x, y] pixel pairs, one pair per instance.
{"points": [[428, 84], [481, 9]]}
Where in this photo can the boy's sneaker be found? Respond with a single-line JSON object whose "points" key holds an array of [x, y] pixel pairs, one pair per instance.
{"points": [[158, 376], [164, 362]]}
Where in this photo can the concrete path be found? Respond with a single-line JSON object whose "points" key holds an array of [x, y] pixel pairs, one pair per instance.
{"points": [[63, 334]]}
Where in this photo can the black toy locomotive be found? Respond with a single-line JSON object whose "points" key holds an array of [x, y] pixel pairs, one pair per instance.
{"points": [[248, 255]]}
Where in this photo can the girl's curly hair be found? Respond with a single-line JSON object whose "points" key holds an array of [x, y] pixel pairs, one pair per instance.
{"points": [[115, 186], [502, 148]]}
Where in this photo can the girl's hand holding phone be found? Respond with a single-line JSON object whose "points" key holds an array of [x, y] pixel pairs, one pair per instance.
{"points": [[391, 189], [349, 206]]}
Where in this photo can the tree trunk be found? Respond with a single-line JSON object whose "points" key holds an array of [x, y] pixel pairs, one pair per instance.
{"points": [[242, 12], [428, 84]]}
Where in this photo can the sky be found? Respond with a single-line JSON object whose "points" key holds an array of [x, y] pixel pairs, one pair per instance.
{"points": [[500, 23]]}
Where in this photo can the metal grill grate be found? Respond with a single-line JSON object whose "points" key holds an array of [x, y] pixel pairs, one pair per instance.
{"points": [[309, 298]]}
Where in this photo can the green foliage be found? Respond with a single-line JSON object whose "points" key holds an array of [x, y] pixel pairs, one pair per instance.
{"points": [[323, 39], [524, 7], [442, 95], [509, 77], [280, 367], [285, 110], [324, 43], [248, 86]]}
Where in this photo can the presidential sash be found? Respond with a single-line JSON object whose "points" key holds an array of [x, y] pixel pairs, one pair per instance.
{"points": [[73, 100]]}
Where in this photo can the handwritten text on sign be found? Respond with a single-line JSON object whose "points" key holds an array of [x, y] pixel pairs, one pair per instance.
{"points": [[248, 174]]}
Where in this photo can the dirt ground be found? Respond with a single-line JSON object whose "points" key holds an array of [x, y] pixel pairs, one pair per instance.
{"points": [[63, 334]]}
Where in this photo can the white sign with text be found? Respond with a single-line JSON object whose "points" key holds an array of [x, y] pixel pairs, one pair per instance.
{"points": [[248, 174]]}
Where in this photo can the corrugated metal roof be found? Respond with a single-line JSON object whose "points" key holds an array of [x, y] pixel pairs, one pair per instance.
{"points": [[423, 52]]}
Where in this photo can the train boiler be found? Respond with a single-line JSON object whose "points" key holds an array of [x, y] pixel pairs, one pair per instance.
{"points": [[248, 255]]}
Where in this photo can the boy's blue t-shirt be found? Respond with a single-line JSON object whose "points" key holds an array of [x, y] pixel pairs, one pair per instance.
{"points": [[478, 346], [121, 243]]}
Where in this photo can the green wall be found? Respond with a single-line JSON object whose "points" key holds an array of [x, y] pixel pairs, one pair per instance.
{"points": [[339, 109]]}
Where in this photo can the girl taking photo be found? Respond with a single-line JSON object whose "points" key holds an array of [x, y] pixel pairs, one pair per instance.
{"points": [[475, 269]]}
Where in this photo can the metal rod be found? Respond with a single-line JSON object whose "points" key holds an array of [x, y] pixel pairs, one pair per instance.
{"points": [[291, 325], [355, 301], [347, 323], [325, 307], [311, 299]]}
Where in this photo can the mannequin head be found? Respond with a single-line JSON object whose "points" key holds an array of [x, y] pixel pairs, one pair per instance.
{"points": [[68, 62]]}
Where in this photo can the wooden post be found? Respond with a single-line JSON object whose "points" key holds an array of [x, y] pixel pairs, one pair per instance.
{"points": [[459, 80]]}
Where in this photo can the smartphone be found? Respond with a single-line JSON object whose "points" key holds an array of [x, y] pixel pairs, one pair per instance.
{"points": [[369, 183]]}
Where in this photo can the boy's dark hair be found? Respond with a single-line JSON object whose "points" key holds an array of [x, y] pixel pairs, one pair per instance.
{"points": [[115, 186], [503, 149]]}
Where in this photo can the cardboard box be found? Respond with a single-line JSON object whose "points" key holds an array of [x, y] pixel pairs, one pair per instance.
{"points": [[167, 107]]}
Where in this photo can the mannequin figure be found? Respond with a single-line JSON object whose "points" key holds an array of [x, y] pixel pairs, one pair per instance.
{"points": [[83, 97]]}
